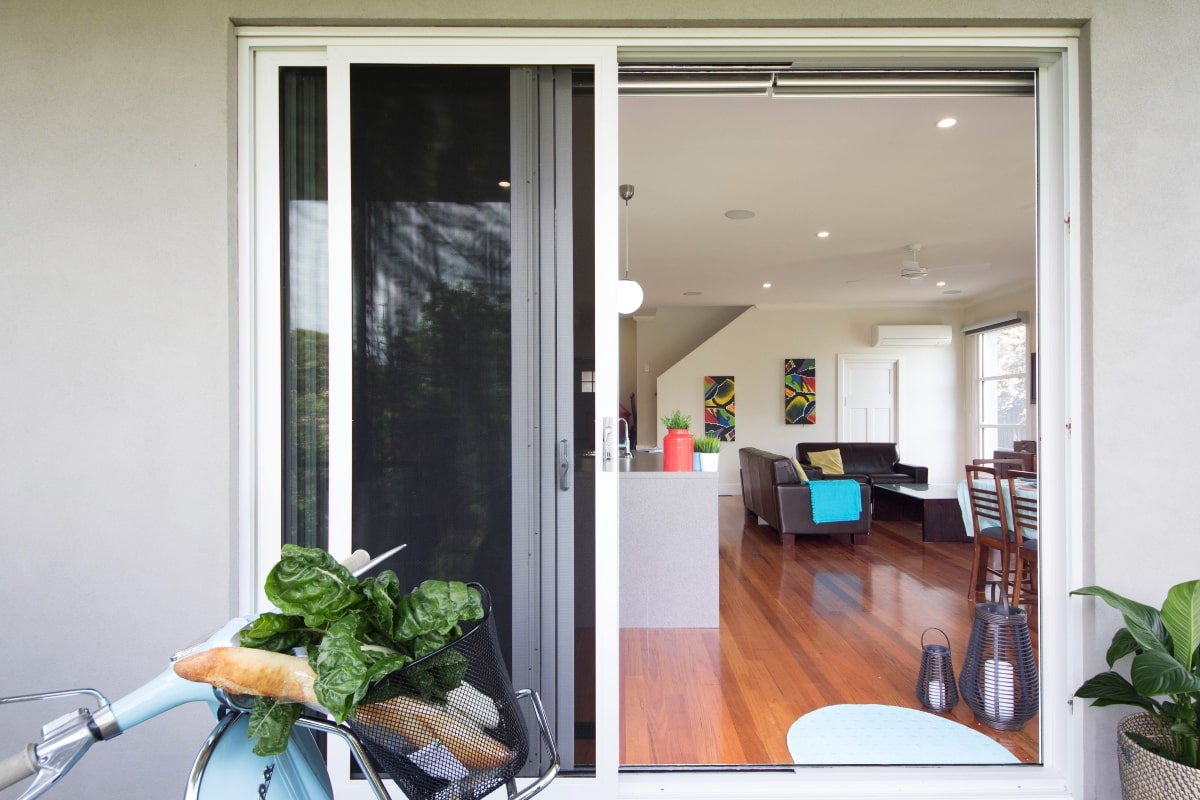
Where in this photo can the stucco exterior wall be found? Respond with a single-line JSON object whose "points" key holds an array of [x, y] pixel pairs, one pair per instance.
{"points": [[118, 315]]}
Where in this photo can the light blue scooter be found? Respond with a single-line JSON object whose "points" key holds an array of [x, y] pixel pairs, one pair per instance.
{"points": [[226, 765]]}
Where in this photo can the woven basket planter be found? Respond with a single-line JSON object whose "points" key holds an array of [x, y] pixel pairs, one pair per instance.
{"points": [[1147, 776]]}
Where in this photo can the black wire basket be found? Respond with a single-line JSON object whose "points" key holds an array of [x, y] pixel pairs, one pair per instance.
{"points": [[462, 747]]}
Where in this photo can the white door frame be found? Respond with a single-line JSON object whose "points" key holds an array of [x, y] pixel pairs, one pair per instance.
{"points": [[1054, 52]]}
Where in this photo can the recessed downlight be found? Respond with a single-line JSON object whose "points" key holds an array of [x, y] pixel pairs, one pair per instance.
{"points": [[739, 213], [940, 283], [505, 184], [947, 122], [822, 234], [766, 286]]}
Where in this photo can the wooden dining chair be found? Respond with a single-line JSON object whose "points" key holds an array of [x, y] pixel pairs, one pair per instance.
{"points": [[1001, 465], [1024, 516], [992, 558]]}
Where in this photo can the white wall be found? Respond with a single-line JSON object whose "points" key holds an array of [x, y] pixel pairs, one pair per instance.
{"points": [[753, 349], [661, 340], [118, 326]]}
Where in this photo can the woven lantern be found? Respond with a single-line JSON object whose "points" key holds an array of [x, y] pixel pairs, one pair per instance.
{"points": [[935, 682], [999, 680]]}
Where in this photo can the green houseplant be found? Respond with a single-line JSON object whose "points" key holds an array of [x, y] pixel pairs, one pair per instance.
{"points": [[708, 451], [677, 444], [677, 420], [1164, 681]]}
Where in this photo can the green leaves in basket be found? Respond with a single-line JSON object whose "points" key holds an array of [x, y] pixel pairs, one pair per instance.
{"points": [[279, 633], [311, 583], [429, 616], [349, 659], [271, 724], [355, 634]]}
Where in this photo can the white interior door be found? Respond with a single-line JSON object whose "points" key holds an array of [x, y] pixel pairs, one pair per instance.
{"points": [[867, 407]]}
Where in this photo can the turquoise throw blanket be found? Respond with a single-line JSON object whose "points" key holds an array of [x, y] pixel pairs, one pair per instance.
{"points": [[835, 501]]}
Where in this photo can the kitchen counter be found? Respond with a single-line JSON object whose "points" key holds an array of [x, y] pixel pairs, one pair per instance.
{"points": [[669, 559]]}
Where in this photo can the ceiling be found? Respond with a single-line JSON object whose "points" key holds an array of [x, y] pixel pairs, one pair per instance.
{"points": [[876, 172]]}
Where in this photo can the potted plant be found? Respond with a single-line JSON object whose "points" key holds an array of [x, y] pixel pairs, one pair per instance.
{"points": [[677, 444], [708, 451], [1160, 746]]}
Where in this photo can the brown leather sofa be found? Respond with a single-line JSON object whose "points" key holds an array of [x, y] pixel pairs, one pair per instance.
{"points": [[865, 462], [773, 491]]}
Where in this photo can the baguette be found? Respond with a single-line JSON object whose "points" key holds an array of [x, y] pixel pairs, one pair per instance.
{"points": [[422, 724], [247, 670]]}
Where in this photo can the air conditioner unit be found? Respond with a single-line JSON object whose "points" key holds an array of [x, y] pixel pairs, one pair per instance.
{"points": [[912, 335]]}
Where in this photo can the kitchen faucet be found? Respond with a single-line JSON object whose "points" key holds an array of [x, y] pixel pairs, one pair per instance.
{"points": [[623, 442]]}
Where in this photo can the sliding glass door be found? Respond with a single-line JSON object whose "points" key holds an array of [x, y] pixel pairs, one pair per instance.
{"points": [[421, 305]]}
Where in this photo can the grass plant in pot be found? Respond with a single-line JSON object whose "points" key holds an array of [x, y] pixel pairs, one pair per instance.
{"points": [[1159, 747], [677, 444], [708, 448]]}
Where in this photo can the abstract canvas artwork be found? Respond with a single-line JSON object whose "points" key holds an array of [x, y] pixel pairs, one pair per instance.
{"points": [[800, 391], [718, 406]]}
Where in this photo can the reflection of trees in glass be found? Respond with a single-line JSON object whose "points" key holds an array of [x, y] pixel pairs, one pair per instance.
{"points": [[432, 396], [306, 437], [1010, 360]]}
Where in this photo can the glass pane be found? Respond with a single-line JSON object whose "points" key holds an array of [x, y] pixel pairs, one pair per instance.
{"points": [[432, 339], [994, 439], [1002, 352], [1002, 402], [304, 250]]}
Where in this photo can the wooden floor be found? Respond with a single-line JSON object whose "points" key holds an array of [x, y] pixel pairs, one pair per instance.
{"points": [[802, 627]]}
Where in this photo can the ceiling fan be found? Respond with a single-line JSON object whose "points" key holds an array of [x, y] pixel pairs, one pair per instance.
{"points": [[910, 268], [913, 271]]}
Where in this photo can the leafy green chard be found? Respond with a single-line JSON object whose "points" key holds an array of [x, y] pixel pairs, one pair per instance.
{"points": [[355, 634], [310, 583], [271, 723]]}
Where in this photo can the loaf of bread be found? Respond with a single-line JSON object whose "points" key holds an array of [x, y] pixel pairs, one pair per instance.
{"points": [[247, 670], [423, 724]]}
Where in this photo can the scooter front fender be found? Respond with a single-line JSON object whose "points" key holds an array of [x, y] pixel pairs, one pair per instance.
{"points": [[226, 767]]}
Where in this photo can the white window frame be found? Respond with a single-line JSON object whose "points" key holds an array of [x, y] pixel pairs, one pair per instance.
{"points": [[1053, 52], [981, 382]]}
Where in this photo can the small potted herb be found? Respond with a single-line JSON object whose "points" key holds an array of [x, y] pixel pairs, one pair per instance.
{"points": [[708, 449]]}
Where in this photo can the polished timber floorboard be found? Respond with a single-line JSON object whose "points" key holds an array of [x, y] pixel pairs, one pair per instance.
{"points": [[802, 627]]}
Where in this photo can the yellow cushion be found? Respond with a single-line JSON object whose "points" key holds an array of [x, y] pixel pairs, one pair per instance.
{"points": [[830, 461], [800, 473]]}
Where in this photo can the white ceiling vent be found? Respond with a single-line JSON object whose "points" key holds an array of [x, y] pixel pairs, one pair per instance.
{"points": [[912, 335]]}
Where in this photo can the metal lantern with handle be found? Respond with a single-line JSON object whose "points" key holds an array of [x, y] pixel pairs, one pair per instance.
{"points": [[935, 683]]}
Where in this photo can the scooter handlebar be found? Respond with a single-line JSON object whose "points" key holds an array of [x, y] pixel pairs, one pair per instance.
{"points": [[18, 766]]}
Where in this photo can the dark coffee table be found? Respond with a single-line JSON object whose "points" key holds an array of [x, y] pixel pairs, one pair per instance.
{"points": [[935, 505]]}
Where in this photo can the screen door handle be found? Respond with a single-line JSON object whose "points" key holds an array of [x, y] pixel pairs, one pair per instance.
{"points": [[564, 465]]}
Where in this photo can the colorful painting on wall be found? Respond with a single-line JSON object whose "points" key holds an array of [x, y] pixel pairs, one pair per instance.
{"points": [[718, 407], [800, 391]]}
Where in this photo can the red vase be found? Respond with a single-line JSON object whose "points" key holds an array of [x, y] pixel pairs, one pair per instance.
{"points": [[677, 450]]}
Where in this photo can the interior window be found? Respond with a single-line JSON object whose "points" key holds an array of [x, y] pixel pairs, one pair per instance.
{"points": [[1003, 388]]}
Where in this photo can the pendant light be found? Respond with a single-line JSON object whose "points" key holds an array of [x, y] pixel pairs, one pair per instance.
{"points": [[629, 293]]}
